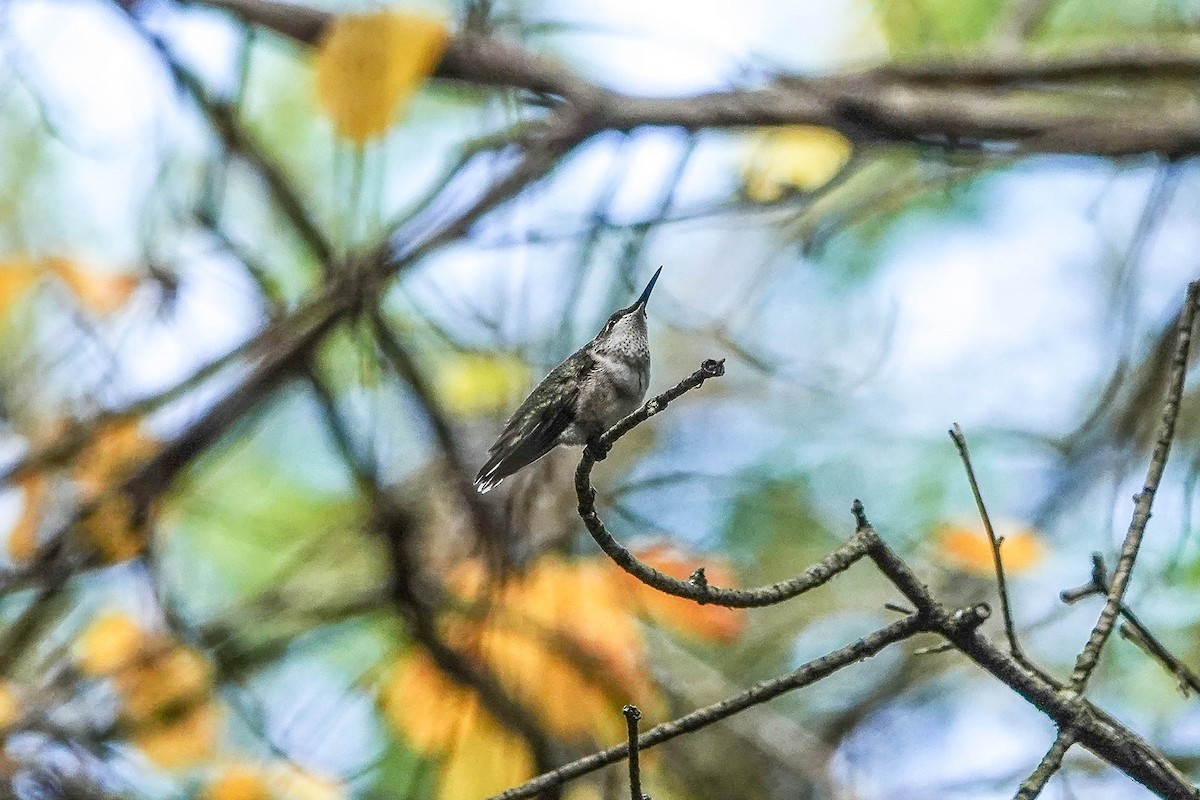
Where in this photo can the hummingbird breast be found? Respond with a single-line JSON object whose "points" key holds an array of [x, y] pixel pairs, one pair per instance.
{"points": [[613, 389]]}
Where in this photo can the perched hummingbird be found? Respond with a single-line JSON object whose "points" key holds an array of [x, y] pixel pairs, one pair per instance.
{"points": [[582, 397]]}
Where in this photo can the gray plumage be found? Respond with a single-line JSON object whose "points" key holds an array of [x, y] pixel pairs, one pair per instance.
{"points": [[602, 382]]}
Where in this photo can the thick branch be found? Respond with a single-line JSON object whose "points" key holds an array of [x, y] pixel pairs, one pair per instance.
{"points": [[1094, 729], [947, 101]]}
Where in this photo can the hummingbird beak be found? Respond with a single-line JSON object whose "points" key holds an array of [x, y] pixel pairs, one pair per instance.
{"points": [[645, 297]]}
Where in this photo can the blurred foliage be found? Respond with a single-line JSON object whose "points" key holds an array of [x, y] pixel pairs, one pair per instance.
{"points": [[261, 628]]}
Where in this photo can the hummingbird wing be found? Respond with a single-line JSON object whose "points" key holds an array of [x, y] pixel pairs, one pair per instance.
{"points": [[534, 428]]}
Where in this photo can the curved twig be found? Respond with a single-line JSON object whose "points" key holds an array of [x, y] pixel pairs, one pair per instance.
{"points": [[697, 587]]}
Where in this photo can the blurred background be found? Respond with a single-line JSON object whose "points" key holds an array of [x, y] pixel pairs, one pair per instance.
{"points": [[242, 558]]}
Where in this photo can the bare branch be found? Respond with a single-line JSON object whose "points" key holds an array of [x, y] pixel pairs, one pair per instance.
{"points": [[1090, 655], [1097, 731]]}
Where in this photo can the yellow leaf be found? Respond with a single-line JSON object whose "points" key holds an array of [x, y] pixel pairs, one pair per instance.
{"points": [[562, 639], [17, 276], [116, 449], [102, 293], [715, 623], [471, 385], [10, 705], [967, 549], [112, 529], [109, 643], [22, 539], [239, 782], [269, 781], [803, 157], [186, 740], [167, 677], [369, 66], [423, 704], [112, 526], [485, 759], [438, 716]]}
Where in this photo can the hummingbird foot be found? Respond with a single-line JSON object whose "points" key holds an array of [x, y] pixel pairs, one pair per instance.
{"points": [[598, 448]]}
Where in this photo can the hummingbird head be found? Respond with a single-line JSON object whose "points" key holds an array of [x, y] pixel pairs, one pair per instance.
{"points": [[625, 330]]}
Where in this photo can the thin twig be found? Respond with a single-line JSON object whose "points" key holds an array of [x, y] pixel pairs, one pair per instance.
{"points": [[1032, 786], [487, 528], [818, 574], [632, 715], [1014, 646], [807, 674], [1089, 657], [1097, 731], [1136, 632], [1134, 629]]}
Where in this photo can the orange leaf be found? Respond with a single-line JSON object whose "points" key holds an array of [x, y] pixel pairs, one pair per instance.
{"points": [[99, 292], [166, 677], [117, 448], [564, 640], [17, 277], [185, 741], [423, 704], [240, 782], [438, 716], [715, 623], [10, 705], [967, 548], [369, 66], [112, 528], [22, 540]]}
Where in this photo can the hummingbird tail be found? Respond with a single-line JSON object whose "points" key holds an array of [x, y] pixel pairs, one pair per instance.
{"points": [[486, 481]]}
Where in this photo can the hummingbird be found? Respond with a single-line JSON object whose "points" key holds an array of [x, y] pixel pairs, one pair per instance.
{"points": [[581, 398]]}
